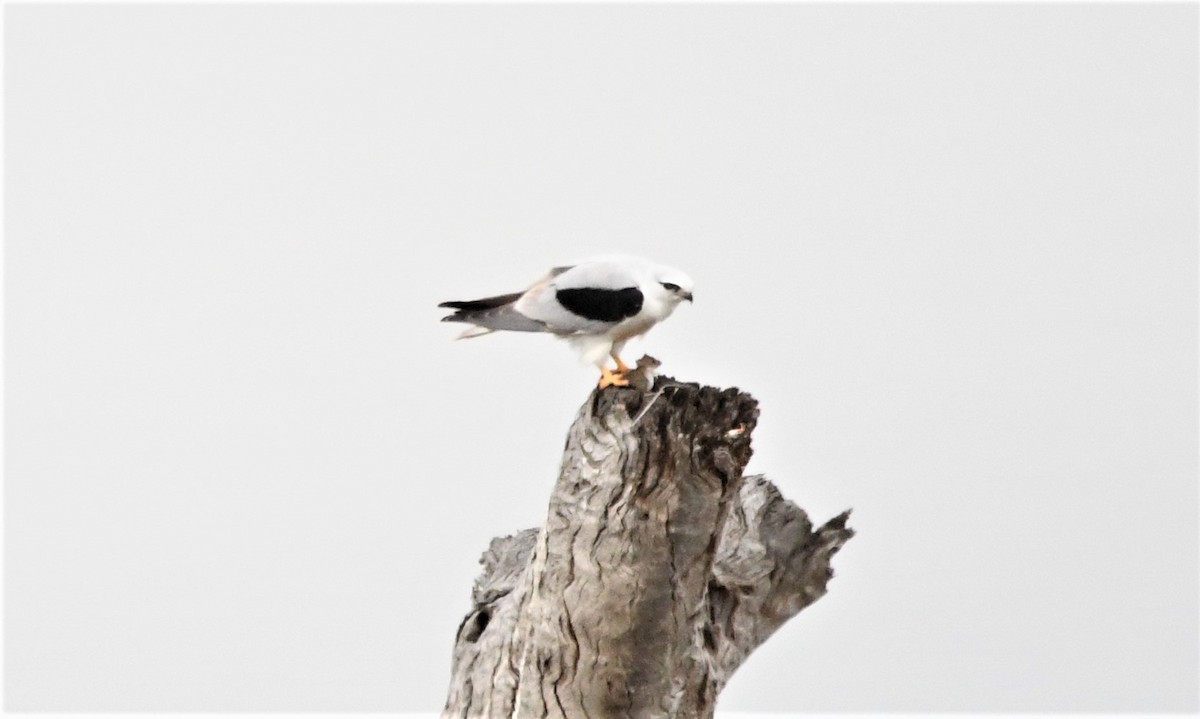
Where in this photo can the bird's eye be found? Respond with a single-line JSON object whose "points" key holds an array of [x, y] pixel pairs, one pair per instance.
{"points": [[670, 286]]}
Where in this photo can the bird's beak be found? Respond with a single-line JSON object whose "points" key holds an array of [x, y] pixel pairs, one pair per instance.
{"points": [[687, 296]]}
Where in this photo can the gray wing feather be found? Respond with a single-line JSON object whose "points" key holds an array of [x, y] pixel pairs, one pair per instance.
{"points": [[499, 317]]}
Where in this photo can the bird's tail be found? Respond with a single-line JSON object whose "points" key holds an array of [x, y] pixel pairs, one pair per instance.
{"points": [[490, 314]]}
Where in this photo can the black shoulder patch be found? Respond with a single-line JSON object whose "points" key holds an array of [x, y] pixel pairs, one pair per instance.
{"points": [[601, 305]]}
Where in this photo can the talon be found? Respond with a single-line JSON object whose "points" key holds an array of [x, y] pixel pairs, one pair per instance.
{"points": [[608, 378]]}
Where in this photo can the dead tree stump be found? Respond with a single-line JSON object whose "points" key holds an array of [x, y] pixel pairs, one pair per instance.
{"points": [[658, 570]]}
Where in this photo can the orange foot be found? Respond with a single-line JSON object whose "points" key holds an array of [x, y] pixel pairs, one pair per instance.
{"points": [[622, 369], [608, 378]]}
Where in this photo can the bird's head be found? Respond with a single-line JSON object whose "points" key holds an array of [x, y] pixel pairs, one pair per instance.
{"points": [[671, 286]]}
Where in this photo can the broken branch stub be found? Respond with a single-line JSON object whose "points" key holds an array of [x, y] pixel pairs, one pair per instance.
{"points": [[658, 570]]}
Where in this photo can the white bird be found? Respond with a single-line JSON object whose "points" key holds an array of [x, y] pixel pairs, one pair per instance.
{"points": [[597, 305]]}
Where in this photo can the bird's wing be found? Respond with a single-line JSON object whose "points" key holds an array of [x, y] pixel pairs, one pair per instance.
{"points": [[588, 298]]}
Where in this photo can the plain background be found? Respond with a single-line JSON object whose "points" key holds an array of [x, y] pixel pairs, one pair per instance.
{"points": [[951, 249]]}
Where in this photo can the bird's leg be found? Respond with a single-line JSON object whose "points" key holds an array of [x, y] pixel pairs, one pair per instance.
{"points": [[608, 378], [621, 368]]}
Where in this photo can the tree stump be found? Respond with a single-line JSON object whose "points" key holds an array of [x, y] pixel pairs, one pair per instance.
{"points": [[658, 570]]}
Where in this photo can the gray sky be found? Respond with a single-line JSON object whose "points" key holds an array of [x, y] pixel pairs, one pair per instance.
{"points": [[951, 249]]}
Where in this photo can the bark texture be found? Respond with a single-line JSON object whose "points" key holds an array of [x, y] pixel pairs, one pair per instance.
{"points": [[658, 570]]}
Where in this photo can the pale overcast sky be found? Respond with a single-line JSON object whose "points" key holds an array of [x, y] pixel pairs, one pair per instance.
{"points": [[952, 249]]}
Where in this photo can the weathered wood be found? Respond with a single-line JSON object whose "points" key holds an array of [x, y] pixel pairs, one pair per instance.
{"points": [[658, 570]]}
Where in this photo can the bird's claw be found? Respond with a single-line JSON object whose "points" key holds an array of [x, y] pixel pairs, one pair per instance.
{"points": [[608, 378]]}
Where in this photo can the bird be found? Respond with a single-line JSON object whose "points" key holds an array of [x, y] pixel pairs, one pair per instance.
{"points": [[597, 305]]}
